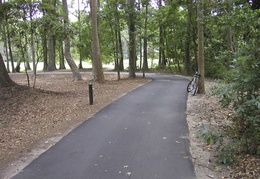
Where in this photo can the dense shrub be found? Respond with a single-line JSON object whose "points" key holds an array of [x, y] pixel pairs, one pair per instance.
{"points": [[241, 92]]}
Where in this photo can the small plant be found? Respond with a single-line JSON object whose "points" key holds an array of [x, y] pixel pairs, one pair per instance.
{"points": [[209, 135], [227, 154]]}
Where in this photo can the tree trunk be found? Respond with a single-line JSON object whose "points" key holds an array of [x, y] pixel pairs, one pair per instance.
{"points": [[33, 47], [188, 39], [62, 60], [72, 64], [45, 52], [79, 35], [145, 62], [121, 54], [162, 60], [44, 45], [5, 79], [97, 69], [51, 52], [10, 48], [201, 89], [132, 43], [51, 43], [229, 36], [6, 48], [25, 47]]}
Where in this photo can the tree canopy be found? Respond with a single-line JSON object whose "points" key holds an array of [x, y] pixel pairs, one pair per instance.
{"points": [[165, 33]]}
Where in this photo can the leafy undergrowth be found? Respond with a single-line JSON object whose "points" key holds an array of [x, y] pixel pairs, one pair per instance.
{"points": [[207, 122]]}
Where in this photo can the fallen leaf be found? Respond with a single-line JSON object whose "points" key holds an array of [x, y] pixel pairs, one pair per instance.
{"points": [[210, 176], [128, 173], [185, 157]]}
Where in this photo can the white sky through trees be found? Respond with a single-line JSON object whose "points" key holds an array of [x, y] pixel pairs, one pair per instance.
{"points": [[84, 5]]}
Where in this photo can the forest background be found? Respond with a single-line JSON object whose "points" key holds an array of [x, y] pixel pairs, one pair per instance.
{"points": [[220, 38]]}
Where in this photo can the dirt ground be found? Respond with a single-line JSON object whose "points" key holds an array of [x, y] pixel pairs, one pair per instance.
{"points": [[32, 120]]}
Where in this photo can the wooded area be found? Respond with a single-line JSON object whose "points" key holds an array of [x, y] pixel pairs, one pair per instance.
{"points": [[169, 31], [219, 38]]}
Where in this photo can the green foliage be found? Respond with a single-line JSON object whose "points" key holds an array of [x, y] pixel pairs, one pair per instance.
{"points": [[209, 135], [215, 69], [106, 59], [227, 154], [242, 94]]}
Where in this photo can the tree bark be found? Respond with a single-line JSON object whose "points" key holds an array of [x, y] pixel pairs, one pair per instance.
{"points": [[33, 47], [229, 36], [132, 42], [51, 44], [121, 54], [5, 79], [45, 52], [162, 60], [145, 62], [201, 89], [72, 64], [44, 45], [97, 70], [188, 39], [10, 48], [51, 52], [79, 36], [62, 60]]}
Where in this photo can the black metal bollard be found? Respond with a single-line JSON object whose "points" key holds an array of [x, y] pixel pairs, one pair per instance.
{"points": [[90, 89]]}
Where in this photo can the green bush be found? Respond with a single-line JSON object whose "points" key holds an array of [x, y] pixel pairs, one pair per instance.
{"points": [[209, 135], [227, 154], [215, 69], [241, 92]]}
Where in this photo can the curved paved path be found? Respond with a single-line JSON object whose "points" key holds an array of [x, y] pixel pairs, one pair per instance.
{"points": [[139, 136]]}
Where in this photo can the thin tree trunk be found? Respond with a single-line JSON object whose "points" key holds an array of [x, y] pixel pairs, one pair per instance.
{"points": [[10, 48], [145, 62], [132, 43], [79, 35], [6, 52], [229, 36], [72, 64], [162, 60], [121, 54], [25, 47], [201, 89], [188, 39], [45, 52], [33, 48], [44, 45], [62, 60]]}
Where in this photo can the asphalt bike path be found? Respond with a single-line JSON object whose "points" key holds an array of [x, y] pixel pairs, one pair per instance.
{"points": [[142, 135]]}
